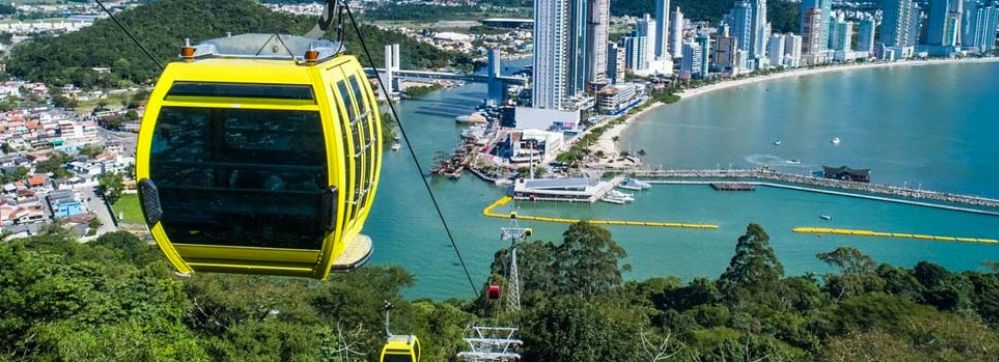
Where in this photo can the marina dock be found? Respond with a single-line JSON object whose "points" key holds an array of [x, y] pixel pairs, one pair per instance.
{"points": [[733, 186], [774, 178]]}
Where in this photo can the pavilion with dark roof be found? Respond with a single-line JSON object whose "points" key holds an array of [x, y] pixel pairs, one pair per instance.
{"points": [[847, 174]]}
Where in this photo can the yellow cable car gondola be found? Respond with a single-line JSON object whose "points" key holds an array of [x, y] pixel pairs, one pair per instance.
{"points": [[261, 163], [398, 348]]}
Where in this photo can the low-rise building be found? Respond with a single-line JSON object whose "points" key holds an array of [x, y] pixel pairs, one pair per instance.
{"points": [[65, 203], [531, 144], [616, 99]]}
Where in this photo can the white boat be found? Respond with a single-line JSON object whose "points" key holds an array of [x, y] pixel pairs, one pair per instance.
{"points": [[793, 162], [396, 146], [777, 142], [474, 118], [634, 184], [621, 195], [613, 200], [825, 217], [835, 141]]}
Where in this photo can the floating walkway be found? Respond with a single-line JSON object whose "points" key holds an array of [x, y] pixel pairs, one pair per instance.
{"points": [[879, 234], [488, 212]]}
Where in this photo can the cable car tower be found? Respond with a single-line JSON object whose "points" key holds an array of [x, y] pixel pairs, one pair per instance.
{"points": [[499, 343], [515, 234]]}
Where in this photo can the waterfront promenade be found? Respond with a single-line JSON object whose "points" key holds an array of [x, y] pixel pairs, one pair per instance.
{"points": [[824, 185]]}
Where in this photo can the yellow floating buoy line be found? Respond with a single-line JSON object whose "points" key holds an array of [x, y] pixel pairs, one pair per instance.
{"points": [[488, 212], [881, 234]]}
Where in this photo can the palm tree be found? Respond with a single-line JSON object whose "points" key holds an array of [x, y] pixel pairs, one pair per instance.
{"points": [[641, 153], [615, 138]]}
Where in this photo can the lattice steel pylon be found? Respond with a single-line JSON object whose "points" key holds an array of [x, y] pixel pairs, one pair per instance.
{"points": [[515, 234], [492, 344]]}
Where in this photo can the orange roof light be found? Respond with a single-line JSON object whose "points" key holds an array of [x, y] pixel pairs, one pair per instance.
{"points": [[187, 51]]}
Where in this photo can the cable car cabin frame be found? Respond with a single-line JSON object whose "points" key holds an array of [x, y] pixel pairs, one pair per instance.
{"points": [[261, 165]]}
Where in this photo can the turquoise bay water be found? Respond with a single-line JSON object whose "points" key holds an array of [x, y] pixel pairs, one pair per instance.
{"points": [[947, 144], [932, 125]]}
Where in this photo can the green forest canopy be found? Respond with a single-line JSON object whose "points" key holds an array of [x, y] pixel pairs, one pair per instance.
{"points": [[162, 25], [115, 298]]}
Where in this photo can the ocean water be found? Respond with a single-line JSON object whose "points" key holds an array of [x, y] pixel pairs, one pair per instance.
{"points": [[934, 125]]}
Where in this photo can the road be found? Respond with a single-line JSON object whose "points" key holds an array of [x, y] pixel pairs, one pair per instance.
{"points": [[96, 205]]}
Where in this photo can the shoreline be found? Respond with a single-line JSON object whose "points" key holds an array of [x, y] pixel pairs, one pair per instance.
{"points": [[606, 141], [606, 144], [693, 92]]}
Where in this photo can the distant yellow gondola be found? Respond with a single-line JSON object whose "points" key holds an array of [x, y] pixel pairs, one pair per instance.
{"points": [[261, 154], [404, 348]]}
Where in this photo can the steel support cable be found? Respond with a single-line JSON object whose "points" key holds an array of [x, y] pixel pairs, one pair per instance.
{"points": [[129, 34], [409, 146]]}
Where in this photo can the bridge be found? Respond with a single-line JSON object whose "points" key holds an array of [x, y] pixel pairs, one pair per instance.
{"points": [[424, 75]]}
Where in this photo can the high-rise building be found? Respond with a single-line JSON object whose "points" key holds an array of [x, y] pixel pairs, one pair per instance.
{"points": [[636, 52], [865, 35], [842, 34], [704, 42], [647, 28], [915, 24], [615, 63], [662, 29], [748, 21], [496, 91], [758, 48], [559, 53], [690, 64], [897, 27], [740, 20], [792, 50], [821, 32], [725, 52], [775, 49], [812, 32], [981, 18], [676, 34], [944, 23], [551, 54], [578, 27], [596, 46]]}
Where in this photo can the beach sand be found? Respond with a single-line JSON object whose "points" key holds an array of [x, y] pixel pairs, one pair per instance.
{"points": [[606, 143]]}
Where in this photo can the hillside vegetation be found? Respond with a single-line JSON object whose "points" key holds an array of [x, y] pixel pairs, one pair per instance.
{"points": [[782, 13], [162, 26], [116, 299]]}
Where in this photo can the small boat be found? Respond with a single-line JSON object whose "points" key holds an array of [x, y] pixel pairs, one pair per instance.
{"points": [[793, 162], [621, 195], [613, 200], [825, 217], [835, 141], [396, 146], [474, 118], [634, 184], [777, 142]]}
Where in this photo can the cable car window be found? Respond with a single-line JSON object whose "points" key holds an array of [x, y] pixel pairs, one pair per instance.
{"points": [[342, 121], [356, 132], [240, 177], [273, 91], [398, 358], [365, 125]]}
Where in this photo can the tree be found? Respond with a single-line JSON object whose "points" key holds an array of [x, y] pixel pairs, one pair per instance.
{"points": [[857, 272], [112, 185], [574, 328], [587, 260], [91, 150], [94, 225], [753, 274], [754, 266]]}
